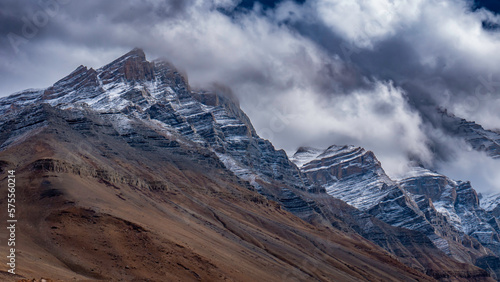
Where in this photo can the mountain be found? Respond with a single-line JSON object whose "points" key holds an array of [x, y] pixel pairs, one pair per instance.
{"points": [[459, 203], [126, 172], [448, 212]]}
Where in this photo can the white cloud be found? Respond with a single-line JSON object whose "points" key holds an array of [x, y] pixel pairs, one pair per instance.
{"points": [[476, 167], [365, 22]]}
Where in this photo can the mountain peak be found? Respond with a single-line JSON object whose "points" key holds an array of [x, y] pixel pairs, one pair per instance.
{"points": [[136, 52], [131, 66], [303, 149], [304, 155]]}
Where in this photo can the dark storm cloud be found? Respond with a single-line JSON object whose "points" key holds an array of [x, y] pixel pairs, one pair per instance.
{"points": [[89, 22], [14, 15]]}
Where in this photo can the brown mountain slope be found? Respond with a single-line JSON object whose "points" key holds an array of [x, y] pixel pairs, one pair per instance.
{"points": [[84, 215]]}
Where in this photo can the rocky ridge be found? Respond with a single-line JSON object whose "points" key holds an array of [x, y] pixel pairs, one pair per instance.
{"points": [[448, 212]]}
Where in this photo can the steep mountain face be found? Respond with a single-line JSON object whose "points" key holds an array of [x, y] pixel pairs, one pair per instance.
{"points": [[131, 149], [478, 139], [447, 212], [460, 204]]}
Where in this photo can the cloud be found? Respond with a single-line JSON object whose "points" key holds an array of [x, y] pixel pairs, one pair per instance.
{"points": [[365, 22], [436, 46], [438, 52]]}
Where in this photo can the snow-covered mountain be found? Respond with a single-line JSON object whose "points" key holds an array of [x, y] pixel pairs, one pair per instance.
{"points": [[151, 107], [448, 212], [459, 203], [131, 89]]}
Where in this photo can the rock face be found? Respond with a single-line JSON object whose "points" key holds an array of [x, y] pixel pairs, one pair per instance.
{"points": [[447, 212], [459, 203], [345, 165], [130, 119]]}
